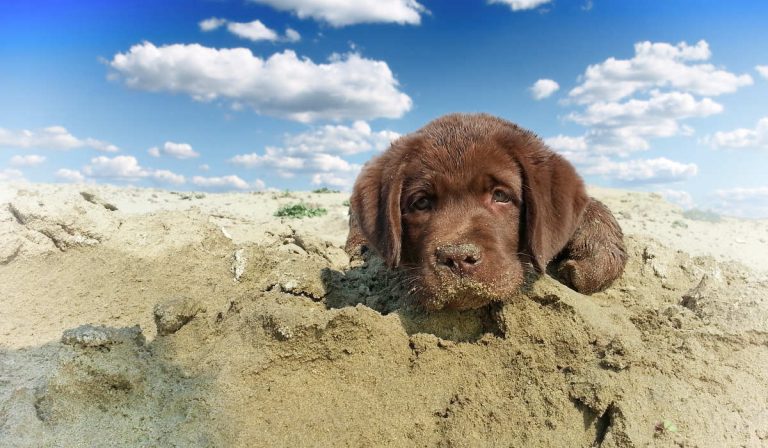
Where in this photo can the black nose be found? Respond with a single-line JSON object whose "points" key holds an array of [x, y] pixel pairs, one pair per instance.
{"points": [[461, 259]]}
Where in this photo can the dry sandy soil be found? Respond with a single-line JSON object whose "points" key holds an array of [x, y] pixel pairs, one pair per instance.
{"points": [[137, 317]]}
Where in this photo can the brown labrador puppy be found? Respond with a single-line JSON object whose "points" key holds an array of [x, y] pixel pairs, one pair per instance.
{"points": [[469, 205]]}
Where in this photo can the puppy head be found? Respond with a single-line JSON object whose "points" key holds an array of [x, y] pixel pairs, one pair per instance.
{"points": [[467, 205]]}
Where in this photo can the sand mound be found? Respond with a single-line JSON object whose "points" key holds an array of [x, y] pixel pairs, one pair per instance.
{"points": [[204, 321]]}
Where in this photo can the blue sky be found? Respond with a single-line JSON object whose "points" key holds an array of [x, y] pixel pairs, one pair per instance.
{"points": [[667, 96]]}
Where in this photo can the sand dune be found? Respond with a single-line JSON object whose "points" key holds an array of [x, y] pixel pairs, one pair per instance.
{"points": [[139, 317]]}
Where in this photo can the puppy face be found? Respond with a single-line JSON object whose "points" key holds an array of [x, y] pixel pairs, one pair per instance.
{"points": [[457, 205], [467, 205]]}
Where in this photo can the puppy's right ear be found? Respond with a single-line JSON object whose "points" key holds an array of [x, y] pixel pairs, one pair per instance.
{"points": [[375, 204]]}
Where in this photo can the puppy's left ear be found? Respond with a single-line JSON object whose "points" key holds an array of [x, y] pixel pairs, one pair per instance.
{"points": [[375, 204], [554, 198]]}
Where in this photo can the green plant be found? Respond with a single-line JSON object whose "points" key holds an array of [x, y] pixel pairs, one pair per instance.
{"points": [[300, 210], [695, 214], [325, 190]]}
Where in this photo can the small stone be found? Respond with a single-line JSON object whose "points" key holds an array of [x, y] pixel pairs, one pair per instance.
{"points": [[173, 314], [693, 297], [239, 262], [98, 336]]}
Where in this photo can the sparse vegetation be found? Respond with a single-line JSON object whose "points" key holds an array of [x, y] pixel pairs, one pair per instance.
{"points": [[345, 203], [695, 214], [325, 190], [300, 210]]}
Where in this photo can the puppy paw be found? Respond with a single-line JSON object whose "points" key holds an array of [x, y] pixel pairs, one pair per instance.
{"points": [[580, 275]]}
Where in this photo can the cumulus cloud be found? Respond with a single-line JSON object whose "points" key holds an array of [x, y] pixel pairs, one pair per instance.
{"points": [[222, 182], [127, 168], [30, 160], [747, 202], [211, 24], [678, 197], [657, 65], [644, 171], [349, 12], [168, 177], [52, 137], [254, 30], [521, 5], [292, 35], [626, 103], [68, 175], [175, 150], [566, 143], [762, 70], [544, 88], [11, 175], [283, 85], [319, 152], [276, 158], [119, 167], [743, 194], [623, 127], [741, 138], [340, 139]]}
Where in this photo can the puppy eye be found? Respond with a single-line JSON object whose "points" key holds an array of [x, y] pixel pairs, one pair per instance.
{"points": [[422, 204], [501, 196]]}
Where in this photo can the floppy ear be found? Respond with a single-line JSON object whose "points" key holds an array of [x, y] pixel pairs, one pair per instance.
{"points": [[554, 199], [375, 202]]}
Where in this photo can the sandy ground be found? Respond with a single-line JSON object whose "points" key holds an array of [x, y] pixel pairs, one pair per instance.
{"points": [[139, 317]]}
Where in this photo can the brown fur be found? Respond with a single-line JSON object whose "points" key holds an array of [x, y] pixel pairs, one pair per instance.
{"points": [[500, 205]]}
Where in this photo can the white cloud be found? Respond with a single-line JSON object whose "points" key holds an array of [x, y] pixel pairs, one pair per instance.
{"points": [[756, 138], [120, 167], [283, 85], [176, 150], [334, 180], [11, 175], [168, 177], [204, 167], [521, 5], [657, 65], [678, 197], [254, 31], [230, 181], [276, 158], [544, 88], [127, 168], [211, 24], [340, 139], [762, 70], [68, 175], [52, 137], [751, 202], [30, 160], [349, 12], [565, 143], [743, 194], [292, 35], [621, 128], [318, 152], [644, 171], [179, 150], [272, 157]]}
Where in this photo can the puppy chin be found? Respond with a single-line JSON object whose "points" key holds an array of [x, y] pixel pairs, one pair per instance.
{"points": [[448, 292]]}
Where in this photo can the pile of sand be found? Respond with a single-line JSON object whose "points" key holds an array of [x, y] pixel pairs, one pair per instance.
{"points": [[134, 317]]}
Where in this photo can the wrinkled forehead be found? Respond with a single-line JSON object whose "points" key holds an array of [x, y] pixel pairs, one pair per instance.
{"points": [[472, 166]]}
